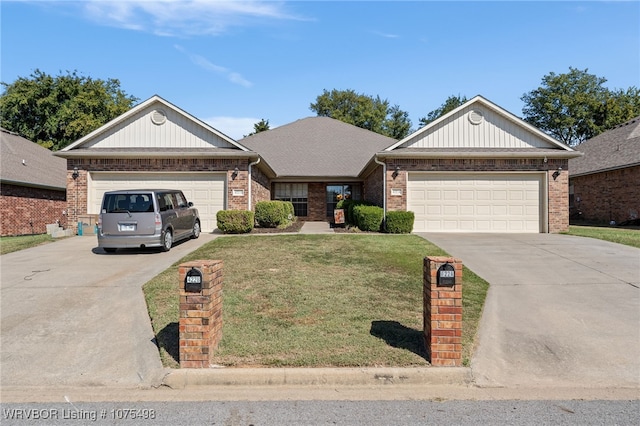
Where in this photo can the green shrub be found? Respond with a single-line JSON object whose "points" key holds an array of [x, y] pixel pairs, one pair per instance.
{"points": [[368, 218], [348, 206], [235, 221], [271, 214], [399, 222]]}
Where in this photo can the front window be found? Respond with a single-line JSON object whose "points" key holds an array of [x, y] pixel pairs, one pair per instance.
{"points": [[335, 193], [296, 193]]}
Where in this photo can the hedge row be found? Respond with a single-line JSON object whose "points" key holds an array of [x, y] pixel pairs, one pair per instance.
{"points": [[369, 217]]}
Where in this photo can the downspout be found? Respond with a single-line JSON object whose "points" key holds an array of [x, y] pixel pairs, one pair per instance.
{"points": [[249, 179], [384, 191]]}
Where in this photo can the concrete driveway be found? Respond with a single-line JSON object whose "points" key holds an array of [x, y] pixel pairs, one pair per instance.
{"points": [[560, 311], [74, 316]]}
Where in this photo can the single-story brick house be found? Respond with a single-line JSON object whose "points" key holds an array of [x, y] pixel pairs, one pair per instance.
{"points": [[476, 169], [33, 186], [604, 184]]}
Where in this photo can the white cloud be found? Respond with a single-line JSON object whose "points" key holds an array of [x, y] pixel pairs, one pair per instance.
{"points": [[235, 127], [204, 63], [386, 35], [184, 17]]}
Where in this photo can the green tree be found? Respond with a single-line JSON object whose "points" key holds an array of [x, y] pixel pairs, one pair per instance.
{"points": [[56, 111], [575, 106], [450, 104], [363, 111], [260, 126]]}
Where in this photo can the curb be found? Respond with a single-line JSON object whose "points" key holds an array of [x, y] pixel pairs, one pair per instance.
{"points": [[184, 378]]}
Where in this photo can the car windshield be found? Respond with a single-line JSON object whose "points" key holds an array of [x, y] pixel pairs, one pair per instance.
{"points": [[132, 203]]}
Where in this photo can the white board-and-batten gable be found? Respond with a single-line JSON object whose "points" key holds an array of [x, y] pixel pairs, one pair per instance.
{"points": [[479, 123], [155, 123]]}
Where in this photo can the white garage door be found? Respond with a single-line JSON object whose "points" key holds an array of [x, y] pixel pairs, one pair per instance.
{"points": [[475, 202], [205, 190]]}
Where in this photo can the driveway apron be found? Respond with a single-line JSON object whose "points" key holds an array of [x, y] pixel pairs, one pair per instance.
{"points": [[72, 315], [560, 311]]}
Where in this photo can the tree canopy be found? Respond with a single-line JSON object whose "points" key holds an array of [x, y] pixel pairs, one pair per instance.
{"points": [[450, 104], [260, 126], [575, 106], [56, 111], [363, 111]]}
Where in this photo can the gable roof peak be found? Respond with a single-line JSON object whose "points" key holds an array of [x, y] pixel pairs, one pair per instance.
{"points": [[142, 106], [495, 109]]}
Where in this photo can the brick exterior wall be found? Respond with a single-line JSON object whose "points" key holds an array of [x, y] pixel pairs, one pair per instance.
{"points": [[260, 187], [77, 189], [607, 196], [372, 187], [317, 202], [558, 202], [25, 210]]}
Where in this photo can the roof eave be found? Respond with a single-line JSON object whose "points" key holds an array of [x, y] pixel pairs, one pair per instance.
{"points": [[32, 185], [610, 169], [93, 153], [479, 155]]}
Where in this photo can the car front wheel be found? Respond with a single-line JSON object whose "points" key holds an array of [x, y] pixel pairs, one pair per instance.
{"points": [[196, 230], [167, 240]]}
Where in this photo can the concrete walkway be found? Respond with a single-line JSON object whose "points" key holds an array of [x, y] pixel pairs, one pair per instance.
{"points": [[316, 228], [560, 311]]}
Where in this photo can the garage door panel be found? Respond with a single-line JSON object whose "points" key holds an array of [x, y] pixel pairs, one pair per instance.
{"points": [[475, 202], [205, 190]]}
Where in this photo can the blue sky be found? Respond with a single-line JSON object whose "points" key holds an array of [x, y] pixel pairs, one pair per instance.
{"points": [[233, 63]]}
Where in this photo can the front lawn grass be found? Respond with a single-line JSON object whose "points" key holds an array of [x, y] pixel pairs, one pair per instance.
{"points": [[630, 237], [11, 244], [315, 301]]}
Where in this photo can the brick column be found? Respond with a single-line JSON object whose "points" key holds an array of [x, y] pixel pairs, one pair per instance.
{"points": [[442, 313], [200, 314]]}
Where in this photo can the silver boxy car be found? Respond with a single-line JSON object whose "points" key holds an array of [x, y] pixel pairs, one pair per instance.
{"points": [[146, 218]]}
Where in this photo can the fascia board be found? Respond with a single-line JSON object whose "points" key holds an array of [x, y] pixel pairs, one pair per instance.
{"points": [[31, 185], [89, 153], [470, 155]]}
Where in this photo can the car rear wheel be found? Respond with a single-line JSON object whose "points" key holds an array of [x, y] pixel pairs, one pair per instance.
{"points": [[196, 230], [167, 240]]}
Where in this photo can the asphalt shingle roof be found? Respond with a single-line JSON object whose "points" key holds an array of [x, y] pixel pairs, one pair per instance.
{"points": [[613, 149], [25, 162], [317, 147]]}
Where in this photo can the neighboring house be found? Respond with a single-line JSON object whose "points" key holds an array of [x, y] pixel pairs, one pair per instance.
{"points": [[476, 169], [33, 186], [604, 184]]}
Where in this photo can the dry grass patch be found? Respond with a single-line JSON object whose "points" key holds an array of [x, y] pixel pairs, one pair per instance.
{"points": [[315, 300]]}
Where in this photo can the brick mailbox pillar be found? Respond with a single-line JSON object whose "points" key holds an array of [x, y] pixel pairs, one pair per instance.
{"points": [[200, 311], [442, 291]]}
